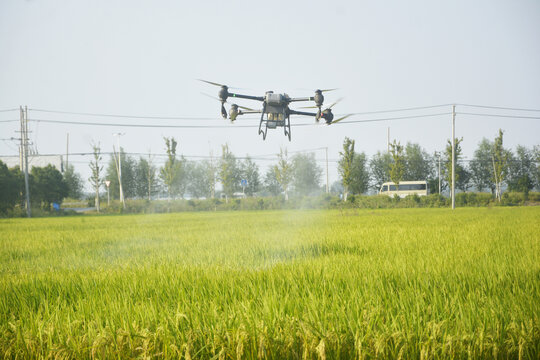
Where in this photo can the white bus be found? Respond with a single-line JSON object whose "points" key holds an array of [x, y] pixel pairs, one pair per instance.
{"points": [[406, 188]]}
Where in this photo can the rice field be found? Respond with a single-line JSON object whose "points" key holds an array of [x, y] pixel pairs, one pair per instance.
{"points": [[400, 283]]}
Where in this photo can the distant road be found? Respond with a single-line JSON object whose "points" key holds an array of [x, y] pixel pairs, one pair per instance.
{"points": [[80, 209]]}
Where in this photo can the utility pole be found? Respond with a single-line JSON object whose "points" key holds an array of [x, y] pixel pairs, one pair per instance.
{"points": [[67, 151], [453, 191], [24, 155], [327, 187], [439, 154], [213, 189], [388, 139], [120, 170]]}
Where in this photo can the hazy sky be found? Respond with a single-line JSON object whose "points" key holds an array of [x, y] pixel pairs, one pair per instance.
{"points": [[143, 58]]}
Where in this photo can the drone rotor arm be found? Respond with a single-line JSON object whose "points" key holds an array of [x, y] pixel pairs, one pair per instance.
{"points": [[309, 98], [243, 112], [248, 97], [303, 113]]}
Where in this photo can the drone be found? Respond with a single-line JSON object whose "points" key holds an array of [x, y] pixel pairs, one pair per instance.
{"points": [[275, 110]]}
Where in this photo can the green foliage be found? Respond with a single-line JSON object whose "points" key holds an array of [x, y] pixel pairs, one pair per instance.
{"points": [[500, 164], [380, 168], [74, 182], [48, 186], [146, 184], [199, 183], [521, 170], [96, 179], [9, 189], [284, 172], [397, 167], [462, 176], [345, 166], [129, 176], [306, 174], [348, 284], [360, 174], [229, 172], [481, 167], [250, 172], [418, 164], [171, 172], [271, 184]]}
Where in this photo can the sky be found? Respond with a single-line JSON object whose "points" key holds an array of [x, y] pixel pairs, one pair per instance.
{"points": [[143, 58]]}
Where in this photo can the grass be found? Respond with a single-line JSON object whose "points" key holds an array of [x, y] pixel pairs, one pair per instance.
{"points": [[402, 283]]}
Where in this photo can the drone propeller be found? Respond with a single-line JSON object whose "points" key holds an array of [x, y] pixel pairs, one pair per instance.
{"points": [[212, 83], [211, 96], [337, 101], [339, 119], [223, 111], [326, 90], [318, 107]]}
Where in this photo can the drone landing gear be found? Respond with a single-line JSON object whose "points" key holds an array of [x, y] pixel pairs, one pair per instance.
{"points": [[287, 127], [263, 132], [272, 121]]}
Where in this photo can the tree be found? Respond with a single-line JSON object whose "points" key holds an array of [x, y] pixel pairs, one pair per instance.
{"points": [[283, 172], [337, 187], [229, 174], [211, 174], [145, 178], [306, 174], [418, 164], [345, 166], [521, 174], [360, 174], [129, 181], [8, 189], [74, 183], [536, 156], [95, 179], [250, 172], [481, 168], [463, 181], [49, 186], [20, 189], [271, 185], [170, 172], [397, 167], [500, 164], [380, 168], [183, 176], [199, 183], [460, 172]]}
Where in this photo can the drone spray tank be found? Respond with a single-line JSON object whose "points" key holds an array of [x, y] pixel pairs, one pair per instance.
{"points": [[233, 112]]}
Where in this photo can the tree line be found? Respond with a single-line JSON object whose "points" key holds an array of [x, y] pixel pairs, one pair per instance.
{"points": [[180, 178], [491, 169]]}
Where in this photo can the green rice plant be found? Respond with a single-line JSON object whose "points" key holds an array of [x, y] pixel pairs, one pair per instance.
{"points": [[327, 284]]}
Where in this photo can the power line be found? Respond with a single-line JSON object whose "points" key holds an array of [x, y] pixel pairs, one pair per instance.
{"points": [[204, 118], [5, 121], [497, 107], [124, 116], [143, 125], [392, 118], [6, 110], [403, 109], [230, 126], [501, 116]]}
